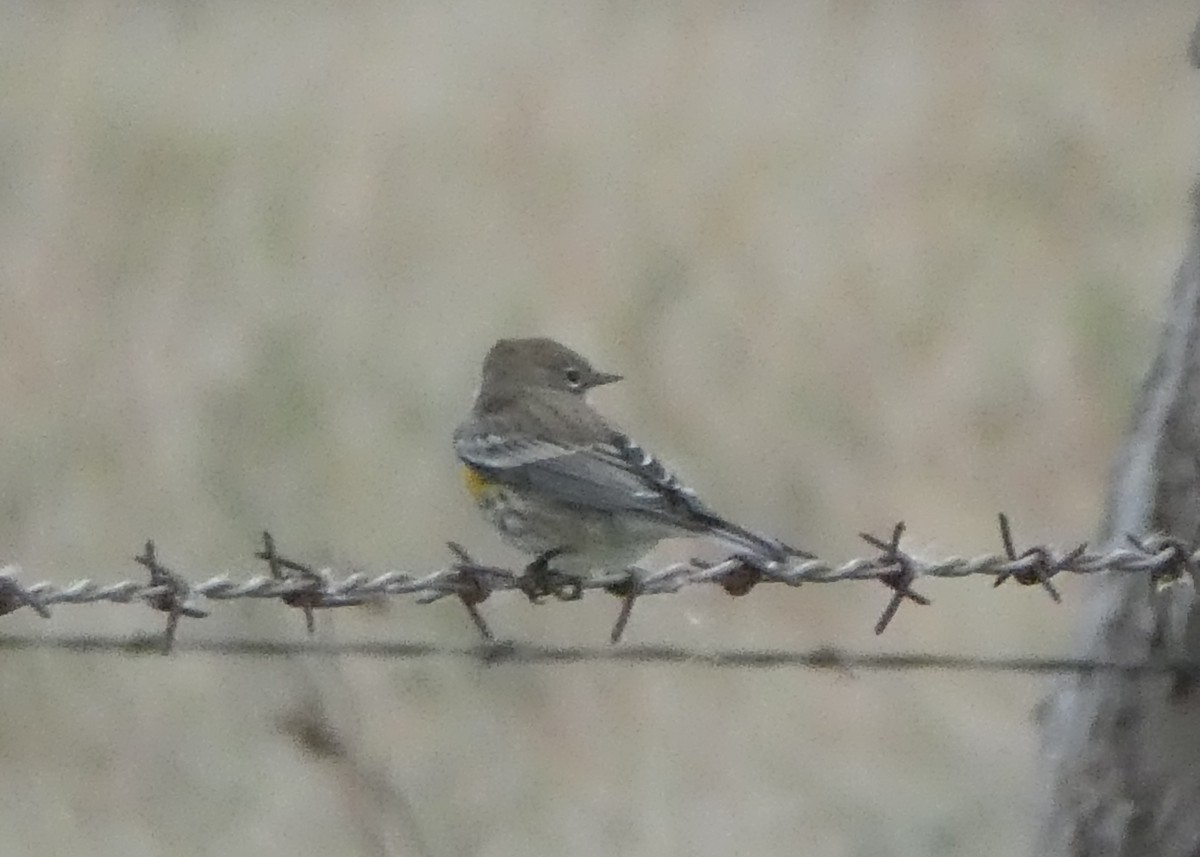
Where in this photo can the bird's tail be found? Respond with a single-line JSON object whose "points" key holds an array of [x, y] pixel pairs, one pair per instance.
{"points": [[742, 539]]}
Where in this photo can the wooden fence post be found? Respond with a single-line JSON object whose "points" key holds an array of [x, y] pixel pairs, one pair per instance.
{"points": [[1122, 753]]}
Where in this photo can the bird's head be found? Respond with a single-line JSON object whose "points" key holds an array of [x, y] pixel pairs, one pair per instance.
{"points": [[540, 362]]}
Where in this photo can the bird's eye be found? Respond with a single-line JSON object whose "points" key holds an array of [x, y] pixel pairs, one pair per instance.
{"points": [[574, 377]]}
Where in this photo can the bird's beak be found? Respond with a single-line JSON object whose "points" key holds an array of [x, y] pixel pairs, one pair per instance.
{"points": [[599, 379]]}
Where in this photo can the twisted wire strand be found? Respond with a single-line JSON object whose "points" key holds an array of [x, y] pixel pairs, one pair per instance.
{"points": [[666, 581], [296, 584], [1161, 557], [669, 580]]}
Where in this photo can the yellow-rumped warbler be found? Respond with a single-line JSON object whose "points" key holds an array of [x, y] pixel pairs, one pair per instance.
{"points": [[557, 479]]}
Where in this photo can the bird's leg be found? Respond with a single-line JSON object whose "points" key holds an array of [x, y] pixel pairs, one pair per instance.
{"points": [[539, 580]]}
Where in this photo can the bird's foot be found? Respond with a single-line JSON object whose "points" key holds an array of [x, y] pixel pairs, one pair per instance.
{"points": [[539, 580]]}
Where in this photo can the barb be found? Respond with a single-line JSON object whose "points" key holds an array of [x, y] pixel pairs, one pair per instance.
{"points": [[171, 594], [899, 579], [1164, 560], [1044, 567], [500, 653]]}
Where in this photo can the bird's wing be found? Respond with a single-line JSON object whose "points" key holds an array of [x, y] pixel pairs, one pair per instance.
{"points": [[608, 473], [601, 469]]}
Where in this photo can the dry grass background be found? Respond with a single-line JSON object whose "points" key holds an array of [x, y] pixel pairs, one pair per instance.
{"points": [[861, 261]]}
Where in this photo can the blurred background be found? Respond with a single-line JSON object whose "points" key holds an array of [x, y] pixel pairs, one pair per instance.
{"points": [[859, 262]]}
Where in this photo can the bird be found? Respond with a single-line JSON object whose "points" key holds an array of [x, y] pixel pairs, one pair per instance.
{"points": [[562, 483]]}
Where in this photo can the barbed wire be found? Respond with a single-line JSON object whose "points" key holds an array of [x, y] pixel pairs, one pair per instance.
{"points": [[505, 652], [299, 585]]}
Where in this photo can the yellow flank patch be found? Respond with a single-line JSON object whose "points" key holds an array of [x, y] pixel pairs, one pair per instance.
{"points": [[475, 481]]}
